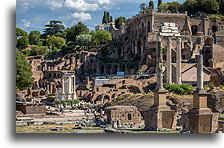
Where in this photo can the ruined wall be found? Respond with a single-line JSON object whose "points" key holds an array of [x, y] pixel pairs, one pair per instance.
{"points": [[123, 116]]}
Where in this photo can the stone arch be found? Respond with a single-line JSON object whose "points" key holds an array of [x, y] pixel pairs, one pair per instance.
{"points": [[49, 75], [222, 83], [106, 99], [99, 98], [135, 89], [108, 67], [114, 69], [148, 26], [114, 96], [214, 28], [194, 29], [102, 69], [142, 28]]}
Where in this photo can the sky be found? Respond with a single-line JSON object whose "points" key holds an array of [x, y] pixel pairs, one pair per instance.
{"points": [[35, 14]]}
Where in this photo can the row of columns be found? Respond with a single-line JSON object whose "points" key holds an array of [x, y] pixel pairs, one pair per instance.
{"points": [[68, 85], [169, 61]]}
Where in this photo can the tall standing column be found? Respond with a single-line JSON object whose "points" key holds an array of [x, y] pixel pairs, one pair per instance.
{"points": [[200, 81], [63, 85], [178, 61], [136, 47], [69, 85], [74, 92], [142, 48], [159, 65], [169, 62]]}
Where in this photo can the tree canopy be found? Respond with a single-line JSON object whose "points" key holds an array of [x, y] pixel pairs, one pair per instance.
{"points": [[170, 6], [34, 38], [159, 3], [84, 40], [107, 18], [142, 6], [55, 41], [151, 4], [102, 36], [78, 29], [24, 77], [54, 28], [119, 21], [20, 33], [22, 42]]}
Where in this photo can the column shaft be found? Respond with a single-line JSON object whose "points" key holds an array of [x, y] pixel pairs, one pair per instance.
{"points": [[178, 66], [200, 72], [169, 62]]}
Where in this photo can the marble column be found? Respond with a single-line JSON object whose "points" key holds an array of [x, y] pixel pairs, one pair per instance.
{"points": [[159, 65], [69, 85], [178, 62], [169, 62], [200, 81], [136, 47], [142, 48], [48, 89], [63, 86], [74, 92]]}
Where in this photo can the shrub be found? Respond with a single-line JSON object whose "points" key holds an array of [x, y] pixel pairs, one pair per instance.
{"points": [[181, 89], [211, 86]]}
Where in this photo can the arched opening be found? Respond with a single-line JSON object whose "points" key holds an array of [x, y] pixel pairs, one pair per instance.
{"points": [[143, 28], [222, 82], [129, 116], [108, 69], [102, 69], [214, 28], [106, 99], [194, 29], [148, 26], [115, 69], [55, 75], [49, 75], [99, 98]]}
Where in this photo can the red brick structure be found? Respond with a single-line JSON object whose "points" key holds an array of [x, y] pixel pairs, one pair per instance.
{"points": [[123, 116]]}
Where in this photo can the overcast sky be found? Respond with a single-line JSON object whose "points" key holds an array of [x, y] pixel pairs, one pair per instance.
{"points": [[34, 14]]}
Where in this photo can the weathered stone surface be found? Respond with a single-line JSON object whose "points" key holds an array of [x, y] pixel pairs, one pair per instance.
{"points": [[123, 116], [216, 101]]}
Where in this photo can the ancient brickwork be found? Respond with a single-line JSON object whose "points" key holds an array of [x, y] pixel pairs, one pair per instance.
{"points": [[123, 116]]}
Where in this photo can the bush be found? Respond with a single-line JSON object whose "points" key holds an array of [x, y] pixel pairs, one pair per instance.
{"points": [[34, 50], [211, 86], [180, 89]]}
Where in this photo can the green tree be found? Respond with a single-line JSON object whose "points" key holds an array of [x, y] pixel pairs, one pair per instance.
{"points": [[43, 50], [24, 77], [84, 40], [221, 6], [171, 6], [34, 50], [191, 6], [151, 4], [55, 41], [22, 42], [159, 3], [174, 7], [119, 21], [209, 6], [72, 32], [102, 37], [20, 32], [34, 38], [54, 28], [163, 7], [142, 7], [106, 18]]}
